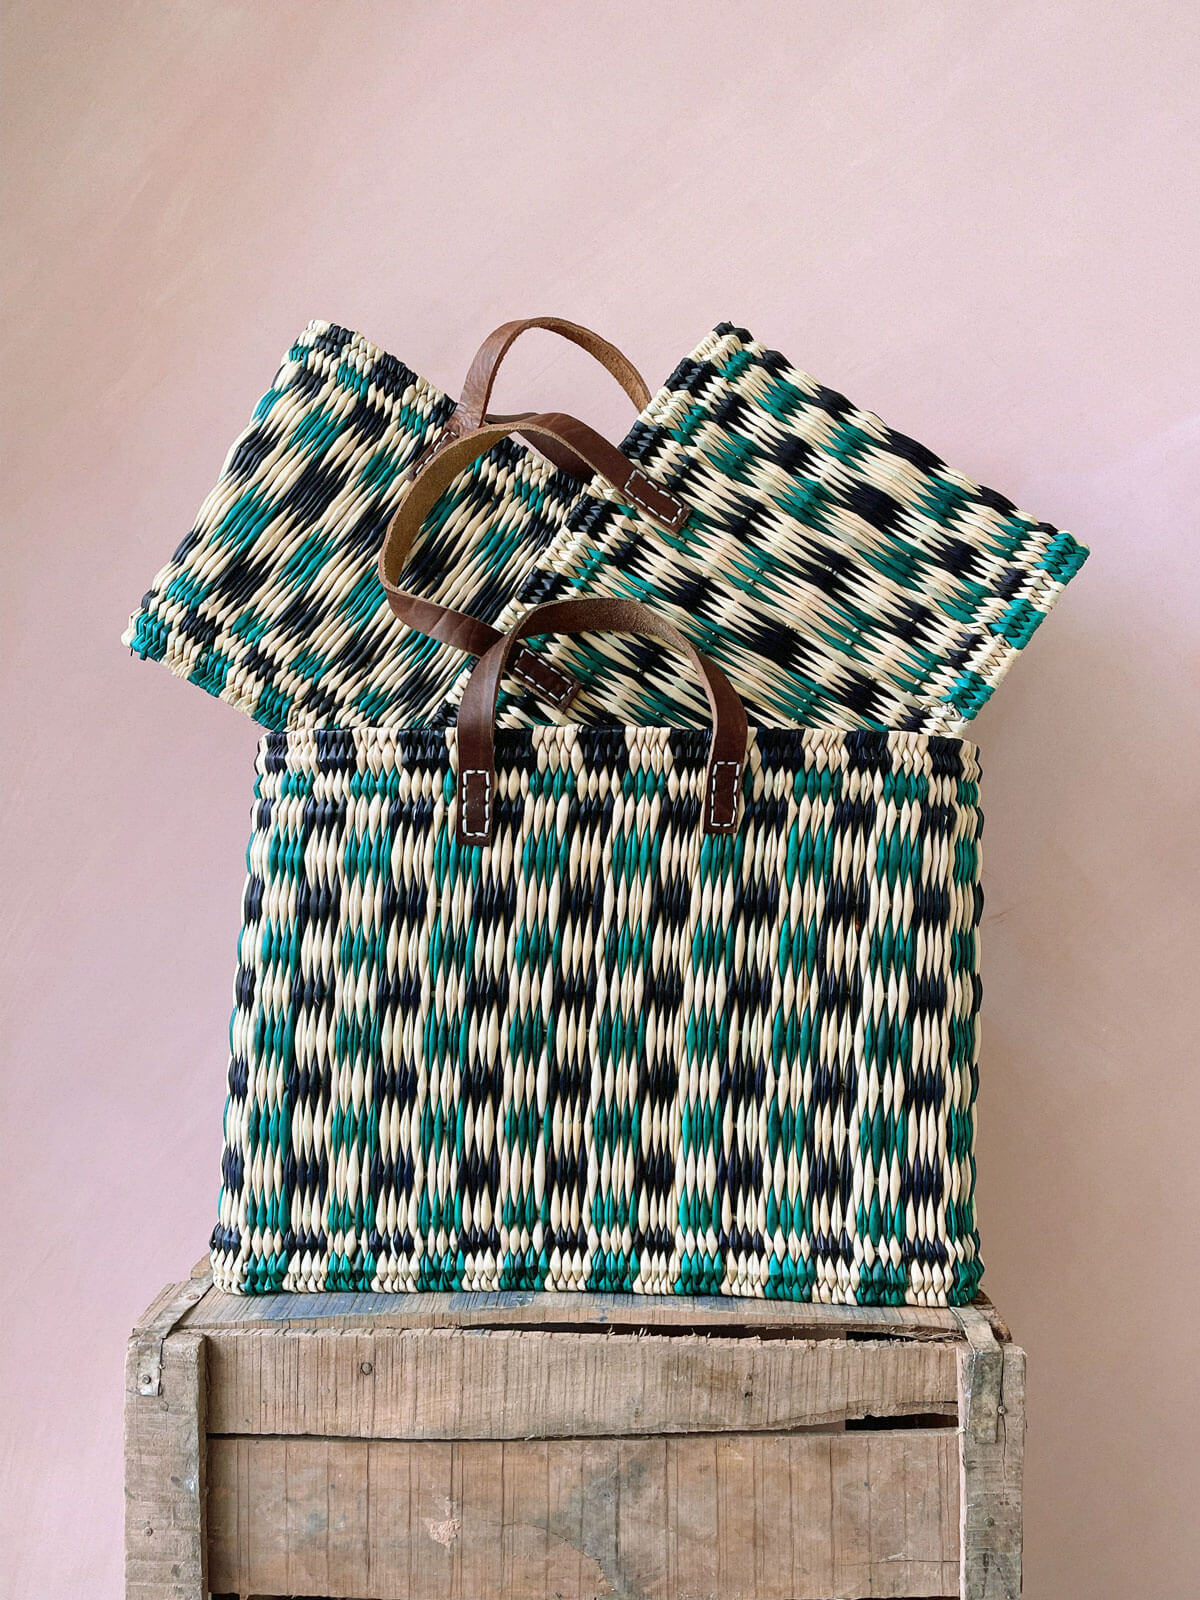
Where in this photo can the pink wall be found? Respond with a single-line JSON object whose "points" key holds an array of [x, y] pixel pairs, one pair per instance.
{"points": [[981, 221]]}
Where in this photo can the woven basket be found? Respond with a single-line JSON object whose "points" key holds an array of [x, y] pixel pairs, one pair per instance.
{"points": [[272, 602], [839, 571], [607, 1049]]}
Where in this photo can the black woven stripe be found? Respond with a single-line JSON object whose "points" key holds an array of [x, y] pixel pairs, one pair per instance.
{"points": [[835, 1083], [324, 818], [252, 449], [392, 1079], [391, 377], [334, 339]]}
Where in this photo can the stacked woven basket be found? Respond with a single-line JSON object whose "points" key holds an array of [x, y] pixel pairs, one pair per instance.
{"points": [[612, 907]]}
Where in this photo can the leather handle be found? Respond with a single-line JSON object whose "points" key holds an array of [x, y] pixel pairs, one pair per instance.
{"points": [[477, 713], [454, 454], [472, 409], [477, 390]]}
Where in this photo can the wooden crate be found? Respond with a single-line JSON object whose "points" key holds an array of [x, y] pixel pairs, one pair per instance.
{"points": [[515, 1447]]}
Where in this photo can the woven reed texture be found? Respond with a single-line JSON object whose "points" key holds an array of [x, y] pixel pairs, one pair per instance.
{"points": [[607, 1052], [272, 602], [839, 571]]}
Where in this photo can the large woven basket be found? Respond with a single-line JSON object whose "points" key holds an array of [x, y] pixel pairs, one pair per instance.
{"points": [[607, 1049], [840, 572]]}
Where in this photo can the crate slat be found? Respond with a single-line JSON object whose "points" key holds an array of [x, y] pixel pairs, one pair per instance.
{"points": [[166, 1461], [656, 1519], [991, 1471], [516, 1310], [442, 1384]]}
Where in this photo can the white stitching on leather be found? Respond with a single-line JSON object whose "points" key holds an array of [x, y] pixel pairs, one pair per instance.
{"points": [[557, 697], [476, 833], [674, 517], [726, 824]]}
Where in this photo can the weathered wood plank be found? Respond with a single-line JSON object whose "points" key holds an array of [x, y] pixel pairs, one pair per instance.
{"points": [[692, 1497], [267, 1492], [168, 1305], [991, 1468], [164, 1313], [165, 1465], [986, 1362], [474, 1522], [636, 1519], [441, 1384], [577, 1312], [348, 1567]]}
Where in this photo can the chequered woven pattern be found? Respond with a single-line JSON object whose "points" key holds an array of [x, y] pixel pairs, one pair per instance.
{"points": [[607, 1052], [272, 601], [841, 574]]}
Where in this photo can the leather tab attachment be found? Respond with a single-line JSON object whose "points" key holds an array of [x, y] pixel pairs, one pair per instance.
{"points": [[475, 805], [477, 714], [539, 675], [650, 497], [724, 791]]}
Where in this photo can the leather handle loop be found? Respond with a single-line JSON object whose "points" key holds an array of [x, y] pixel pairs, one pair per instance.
{"points": [[477, 390], [477, 713], [454, 454]]}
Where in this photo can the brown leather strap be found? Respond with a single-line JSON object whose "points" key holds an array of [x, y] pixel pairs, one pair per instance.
{"points": [[472, 409], [453, 454], [477, 713], [477, 390]]}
